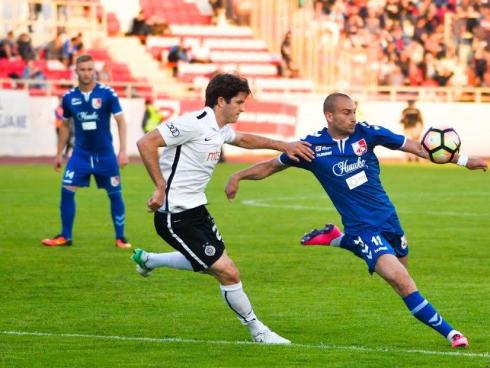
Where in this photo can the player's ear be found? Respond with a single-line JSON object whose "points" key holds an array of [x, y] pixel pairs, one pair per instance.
{"points": [[221, 101], [328, 116]]}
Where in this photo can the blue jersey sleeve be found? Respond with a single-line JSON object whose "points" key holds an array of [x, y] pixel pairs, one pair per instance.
{"points": [[286, 161], [379, 136], [66, 107], [114, 103]]}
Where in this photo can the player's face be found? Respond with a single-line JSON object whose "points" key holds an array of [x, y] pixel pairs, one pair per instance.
{"points": [[231, 111], [342, 122], [85, 72]]}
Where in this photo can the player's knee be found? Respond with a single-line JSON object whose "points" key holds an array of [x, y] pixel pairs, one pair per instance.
{"points": [[231, 274], [70, 188], [404, 284]]}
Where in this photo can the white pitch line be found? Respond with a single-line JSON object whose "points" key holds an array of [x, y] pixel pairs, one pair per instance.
{"points": [[224, 342], [268, 203]]}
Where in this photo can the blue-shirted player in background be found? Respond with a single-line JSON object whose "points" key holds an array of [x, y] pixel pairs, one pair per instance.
{"points": [[90, 106], [347, 168]]}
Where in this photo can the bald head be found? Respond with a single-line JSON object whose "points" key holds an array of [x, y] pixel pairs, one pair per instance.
{"points": [[329, 103]]}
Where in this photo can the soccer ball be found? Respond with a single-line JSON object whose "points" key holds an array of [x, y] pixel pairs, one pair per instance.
{"points": [[441, 143]]}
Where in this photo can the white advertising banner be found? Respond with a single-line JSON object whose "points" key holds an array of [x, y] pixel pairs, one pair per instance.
{"points": [[27, 124], [14, 113]]}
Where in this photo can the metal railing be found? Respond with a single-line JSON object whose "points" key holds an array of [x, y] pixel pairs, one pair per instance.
{"points": [[60, 86]]}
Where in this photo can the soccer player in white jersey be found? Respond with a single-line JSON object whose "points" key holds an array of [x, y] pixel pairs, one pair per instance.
{"points": [[348, 170], [192, 145]]}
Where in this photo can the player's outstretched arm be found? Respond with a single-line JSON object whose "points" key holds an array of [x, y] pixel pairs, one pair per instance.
{"points": [[148, 148], [122, 157], [256, 172], [294, 150], [470, 162]]}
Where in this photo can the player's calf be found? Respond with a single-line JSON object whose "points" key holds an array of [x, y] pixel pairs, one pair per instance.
{"points": [[324, 236]]}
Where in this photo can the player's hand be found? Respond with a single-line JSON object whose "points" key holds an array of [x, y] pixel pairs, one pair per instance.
{"points": [[156, 200], [300, 149], [122, 159], [58, 161], [476, 163], [231, 188]]}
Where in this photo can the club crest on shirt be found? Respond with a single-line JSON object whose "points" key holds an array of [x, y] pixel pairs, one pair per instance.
{"points": [[360, 147], [115, 181], [96, 103]]}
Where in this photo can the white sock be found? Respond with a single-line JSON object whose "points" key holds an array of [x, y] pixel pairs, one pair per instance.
{"points": [[171, 260], [239, 303], [451, 334]]}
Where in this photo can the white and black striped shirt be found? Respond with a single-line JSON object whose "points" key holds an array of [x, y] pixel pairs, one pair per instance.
{"points": [[193, 148]]}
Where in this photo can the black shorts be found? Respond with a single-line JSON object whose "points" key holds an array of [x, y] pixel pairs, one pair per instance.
{"points": [[193, 233]]}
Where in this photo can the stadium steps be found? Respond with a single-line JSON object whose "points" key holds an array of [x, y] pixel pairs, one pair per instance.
{"points": [[142, 66]]}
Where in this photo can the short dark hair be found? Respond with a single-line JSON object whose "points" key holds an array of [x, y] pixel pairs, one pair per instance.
{"points": [[329, 103], [84, 58], [226, 85]]}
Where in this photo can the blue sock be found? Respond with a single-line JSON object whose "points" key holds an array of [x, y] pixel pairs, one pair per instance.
{"points": [[67, 210], [425, 312], [118, 213]]}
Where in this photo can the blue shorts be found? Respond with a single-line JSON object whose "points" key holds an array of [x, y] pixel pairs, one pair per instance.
{"points": [[103, 167], [371, 244]]}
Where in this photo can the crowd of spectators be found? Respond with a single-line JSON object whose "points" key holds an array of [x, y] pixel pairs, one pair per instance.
{"points": [[62, 48], [415, 42]]}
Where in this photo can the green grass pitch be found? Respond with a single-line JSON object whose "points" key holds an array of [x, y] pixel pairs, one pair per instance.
{"points": [[85, 306]]}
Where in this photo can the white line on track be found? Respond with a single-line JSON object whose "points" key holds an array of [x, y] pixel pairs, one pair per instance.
{"points": [[224, 342]]}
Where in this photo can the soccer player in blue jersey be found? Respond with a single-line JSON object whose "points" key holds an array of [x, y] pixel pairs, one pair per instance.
{"points": [[90, 106], [348, 170]]}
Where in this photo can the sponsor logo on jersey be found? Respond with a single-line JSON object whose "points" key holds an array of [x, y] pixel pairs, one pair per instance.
{"points": [[213, 156], [115, 181], [321, 151], [173, 130], [360, 147], [344, 167], [76, 101], [96, 103], [85, 116]]}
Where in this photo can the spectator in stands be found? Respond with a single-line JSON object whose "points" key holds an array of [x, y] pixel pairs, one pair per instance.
{"points": [[24, 47], [71, 48], [54, 49], [177, 54], [480, 64], [32, 71], [8, 47], [243, 11], [290, 69], [159, 26], [151, 118], [140, 27], [412, 125]]}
